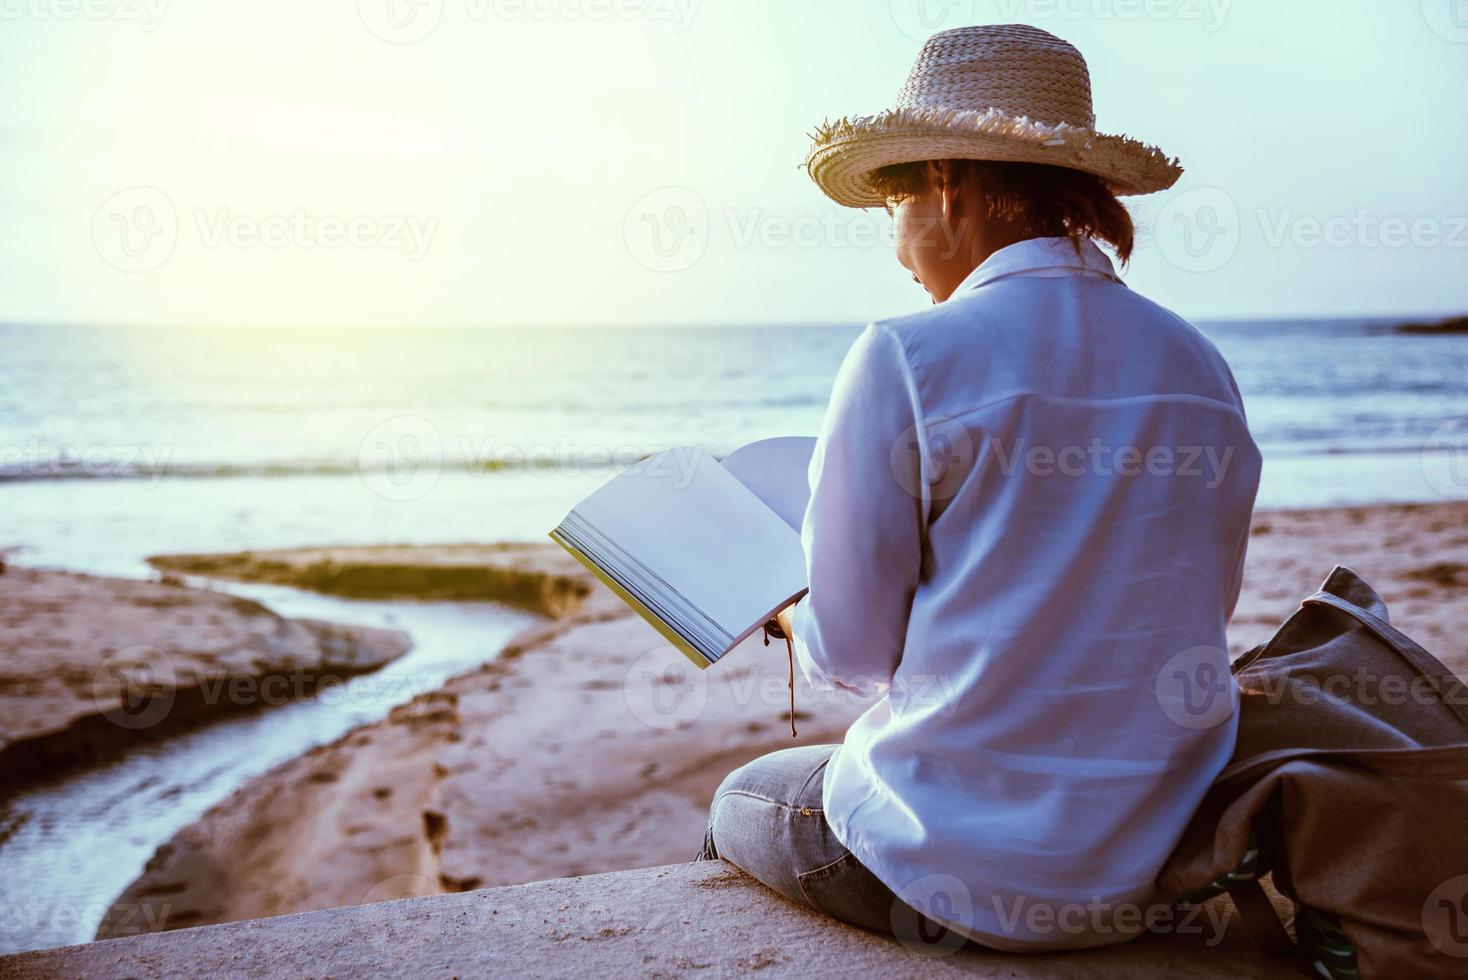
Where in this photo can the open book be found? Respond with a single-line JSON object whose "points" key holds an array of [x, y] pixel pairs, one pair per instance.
{"points": [[707, 550]]}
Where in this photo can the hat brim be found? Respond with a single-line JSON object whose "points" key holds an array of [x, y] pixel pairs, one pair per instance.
{"points": [[843, 153]]}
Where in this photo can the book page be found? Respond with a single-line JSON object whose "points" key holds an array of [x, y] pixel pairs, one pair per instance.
{"points": [[777, 471], [696, 544]]}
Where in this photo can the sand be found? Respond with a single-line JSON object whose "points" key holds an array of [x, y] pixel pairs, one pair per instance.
{"points": [[92, 666], [591, 746]]}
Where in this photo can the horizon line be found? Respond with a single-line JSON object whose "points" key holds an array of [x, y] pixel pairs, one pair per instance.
{"points": [[1404, 317]]}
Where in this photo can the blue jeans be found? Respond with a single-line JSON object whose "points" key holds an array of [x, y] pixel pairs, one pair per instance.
{"points": [[768, 818]]}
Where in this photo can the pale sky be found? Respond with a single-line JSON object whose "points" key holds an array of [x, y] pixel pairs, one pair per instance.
{"points": [[632, 161]]}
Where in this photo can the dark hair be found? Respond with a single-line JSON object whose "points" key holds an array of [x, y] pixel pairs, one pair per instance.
{"points": [[1045, 200]]}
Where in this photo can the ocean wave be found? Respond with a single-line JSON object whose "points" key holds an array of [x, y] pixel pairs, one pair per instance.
{"points": [[61, 470], [583, 462]]}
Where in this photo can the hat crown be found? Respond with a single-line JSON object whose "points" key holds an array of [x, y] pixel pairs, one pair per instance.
{"points": [[1012, 68]]}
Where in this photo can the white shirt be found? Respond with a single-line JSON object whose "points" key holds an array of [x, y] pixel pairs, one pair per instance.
{"points": [[1029, 507]]}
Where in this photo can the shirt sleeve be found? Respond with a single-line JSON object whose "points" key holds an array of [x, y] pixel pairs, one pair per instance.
{"points": [[863, 527]]}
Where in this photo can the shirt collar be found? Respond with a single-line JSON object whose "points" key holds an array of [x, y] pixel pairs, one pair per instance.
{"points": [[1040, 257]]}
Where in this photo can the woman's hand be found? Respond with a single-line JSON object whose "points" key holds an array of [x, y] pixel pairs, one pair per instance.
{"points": [[786, 618]]}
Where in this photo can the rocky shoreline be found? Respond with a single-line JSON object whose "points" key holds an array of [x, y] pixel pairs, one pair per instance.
{"points": [[531, 576], [590, 745], [95, 666]]}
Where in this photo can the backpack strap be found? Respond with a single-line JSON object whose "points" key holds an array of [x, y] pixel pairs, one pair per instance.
{"points": [[1323, 949], [1260, 918]]}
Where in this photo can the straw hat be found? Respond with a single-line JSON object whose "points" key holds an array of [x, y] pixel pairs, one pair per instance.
{"points": [[1001, 92]]}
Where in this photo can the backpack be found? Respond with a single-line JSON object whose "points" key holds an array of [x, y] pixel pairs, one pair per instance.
{"points": [[1349, 784]]}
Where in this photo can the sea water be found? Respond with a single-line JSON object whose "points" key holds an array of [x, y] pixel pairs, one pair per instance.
{"points": [[119, 443]]}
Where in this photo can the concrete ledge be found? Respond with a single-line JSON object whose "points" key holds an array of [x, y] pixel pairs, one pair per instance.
{"points": [[699, 920]]}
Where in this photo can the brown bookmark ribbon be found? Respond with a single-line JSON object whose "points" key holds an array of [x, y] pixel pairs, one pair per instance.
{"points": [[772, 628]]}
